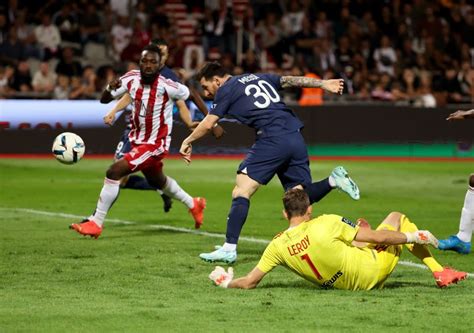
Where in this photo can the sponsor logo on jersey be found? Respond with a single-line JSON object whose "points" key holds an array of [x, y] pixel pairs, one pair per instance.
{"points": [[329, 283], [349, 222]]}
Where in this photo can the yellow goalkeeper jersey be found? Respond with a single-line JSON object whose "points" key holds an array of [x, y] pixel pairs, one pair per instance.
{"points": [[320, 251]]}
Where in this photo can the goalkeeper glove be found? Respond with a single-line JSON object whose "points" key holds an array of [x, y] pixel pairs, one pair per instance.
{"points": [[220, 277], [421, 237]]}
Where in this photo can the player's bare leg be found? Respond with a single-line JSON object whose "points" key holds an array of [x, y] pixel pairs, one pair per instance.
{"points": [[109, 193], [444, 276], [244, 188], [171, 188]]}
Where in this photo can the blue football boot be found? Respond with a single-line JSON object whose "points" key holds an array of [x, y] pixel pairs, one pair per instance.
{"points": [[219, 255], [345, 183], [453, 243]]}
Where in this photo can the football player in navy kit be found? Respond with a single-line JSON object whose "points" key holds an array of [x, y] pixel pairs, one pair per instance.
{"points": [[279, 149]]}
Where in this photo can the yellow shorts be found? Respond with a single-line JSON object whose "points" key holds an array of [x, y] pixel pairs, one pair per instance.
{"points": [[387, 258]]}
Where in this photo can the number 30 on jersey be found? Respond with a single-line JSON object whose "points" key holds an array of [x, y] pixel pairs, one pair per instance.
{"points": [[263, 92]]}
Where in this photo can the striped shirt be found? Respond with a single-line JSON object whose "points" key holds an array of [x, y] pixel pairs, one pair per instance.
{"points": [[152, 108]]}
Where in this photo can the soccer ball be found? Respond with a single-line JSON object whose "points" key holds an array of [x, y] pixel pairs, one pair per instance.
{"points": [[68, 148]]}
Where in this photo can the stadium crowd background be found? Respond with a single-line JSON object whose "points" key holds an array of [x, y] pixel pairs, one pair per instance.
{"points": [[405, 52]]}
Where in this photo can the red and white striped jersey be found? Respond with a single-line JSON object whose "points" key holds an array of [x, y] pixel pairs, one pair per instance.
{"points": [[152, 108]]}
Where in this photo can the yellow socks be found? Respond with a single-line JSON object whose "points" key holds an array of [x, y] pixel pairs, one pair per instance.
{"points": [[419, 251]]}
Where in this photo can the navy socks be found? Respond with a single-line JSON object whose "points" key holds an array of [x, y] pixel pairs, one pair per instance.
{"points": [[236, 219], [138, 183], [318, 190]]}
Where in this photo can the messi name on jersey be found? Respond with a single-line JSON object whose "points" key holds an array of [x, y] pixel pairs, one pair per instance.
{"points": [[248, 78]]}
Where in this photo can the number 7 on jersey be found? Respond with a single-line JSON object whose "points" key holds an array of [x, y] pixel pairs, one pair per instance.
{"points": [[308, 260]]}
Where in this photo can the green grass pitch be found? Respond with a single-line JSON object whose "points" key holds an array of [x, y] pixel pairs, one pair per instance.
{"points": [[139, 276]]}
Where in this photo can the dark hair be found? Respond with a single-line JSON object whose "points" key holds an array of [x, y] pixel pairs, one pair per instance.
{"points": [[296, 202], [211, 69], [158, 42], [152, 48]]}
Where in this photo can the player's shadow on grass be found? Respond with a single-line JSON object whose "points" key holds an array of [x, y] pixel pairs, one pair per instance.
{"points": [[290, 285], [309, 286], [405, 284], [141, 231]]}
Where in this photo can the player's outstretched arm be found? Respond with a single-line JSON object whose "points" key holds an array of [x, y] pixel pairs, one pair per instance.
{"points": [[106, 96], [388, 237], [224, 279], [202, 129], [335, 86], [461, 115], [121, 104]]}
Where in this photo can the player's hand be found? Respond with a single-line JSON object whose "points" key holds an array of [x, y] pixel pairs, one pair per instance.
{"points": [[423, 237], [186, 151], [336, 86], [218, 131], [458, 115], [115, 83], [109, 118], [361, 222], [220, 277]]}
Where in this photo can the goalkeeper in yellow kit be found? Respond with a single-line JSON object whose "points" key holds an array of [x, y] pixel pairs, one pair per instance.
{"points": [[331, 251]]}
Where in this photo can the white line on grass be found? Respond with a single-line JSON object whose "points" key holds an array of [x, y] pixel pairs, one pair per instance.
{"points": [[178, 229]]}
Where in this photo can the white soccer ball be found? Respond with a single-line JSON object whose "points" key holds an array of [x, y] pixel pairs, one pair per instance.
{"points": [[68, 148]]}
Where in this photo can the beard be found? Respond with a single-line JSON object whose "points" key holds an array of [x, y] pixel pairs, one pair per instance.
{"points": [[148, 79]]}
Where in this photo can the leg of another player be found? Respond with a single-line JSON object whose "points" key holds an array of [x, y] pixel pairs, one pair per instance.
{"points": [[339, 178], [244, 189], [461, 242], [136, 182], [171, 188], [109, 193]]}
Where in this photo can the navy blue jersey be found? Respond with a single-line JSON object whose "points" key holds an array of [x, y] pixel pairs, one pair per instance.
{"points": [[169, 74], [253, 99]]}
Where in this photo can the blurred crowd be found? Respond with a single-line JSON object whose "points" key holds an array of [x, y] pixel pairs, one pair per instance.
{"points": [[416, 52]]}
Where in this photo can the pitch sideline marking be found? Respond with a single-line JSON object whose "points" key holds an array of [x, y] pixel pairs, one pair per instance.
{"points": [[179, 229]]}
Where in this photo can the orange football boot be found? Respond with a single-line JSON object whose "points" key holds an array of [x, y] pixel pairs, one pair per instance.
{"points": [[87, 228], [198, 211], [448, 276]]}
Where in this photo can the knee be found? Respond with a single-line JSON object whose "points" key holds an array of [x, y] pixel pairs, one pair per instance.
{"points": [[236, 192], [113, 173], [395, 216], [240, 192], [471, 180]]}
